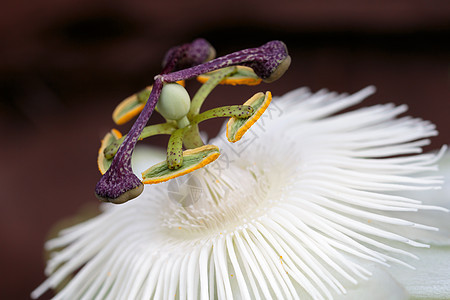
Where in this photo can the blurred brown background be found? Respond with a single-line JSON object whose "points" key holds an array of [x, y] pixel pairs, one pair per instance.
{"points": [[64, 65]]}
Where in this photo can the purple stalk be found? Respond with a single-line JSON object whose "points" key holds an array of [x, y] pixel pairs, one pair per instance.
{"points": [[266, 61], [193, 54], [119, 184]]}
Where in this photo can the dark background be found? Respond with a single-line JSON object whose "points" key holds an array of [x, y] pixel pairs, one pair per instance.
{"points": [[64, 65]]}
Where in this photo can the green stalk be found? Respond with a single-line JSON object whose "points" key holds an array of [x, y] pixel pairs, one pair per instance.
{"points": [[192, 138], [238, 111], [165, 128]]}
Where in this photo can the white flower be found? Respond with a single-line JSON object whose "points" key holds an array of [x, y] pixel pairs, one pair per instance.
{"points": [[307, 205]]}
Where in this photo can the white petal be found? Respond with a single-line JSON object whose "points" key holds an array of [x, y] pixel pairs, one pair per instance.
{"points": [[381, 285], [431, 279], [440, 197], [299, 206], [440, 219]]}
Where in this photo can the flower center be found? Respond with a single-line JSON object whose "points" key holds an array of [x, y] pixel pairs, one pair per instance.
{"points": [[218, 200]]}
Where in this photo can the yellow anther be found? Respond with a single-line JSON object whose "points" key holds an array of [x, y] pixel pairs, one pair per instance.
{"points": [[102, 162], [129, 108], [251, 120], [211, 154]]}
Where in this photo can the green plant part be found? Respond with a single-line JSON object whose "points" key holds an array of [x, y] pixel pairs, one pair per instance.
{"points": [[236, 111], [193, 159], [192, 137], [175, 146], [175, 150], [104, 161], [131, 106], [148, 131], [174, 104], [251, 66], [236, 127], [210, 84]]}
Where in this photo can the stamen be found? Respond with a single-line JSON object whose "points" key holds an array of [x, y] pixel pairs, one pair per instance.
{"points": [[192, 160], [268, 62], [131, 106], [237, 127], [104, 162], [119, 184]]}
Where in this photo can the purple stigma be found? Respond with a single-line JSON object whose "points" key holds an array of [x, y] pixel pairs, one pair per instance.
{"points": [[189, 55], [119, 184], [269, 62]]}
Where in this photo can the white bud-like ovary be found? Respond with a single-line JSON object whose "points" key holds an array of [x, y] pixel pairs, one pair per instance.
{"points": [[174, 102]]}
